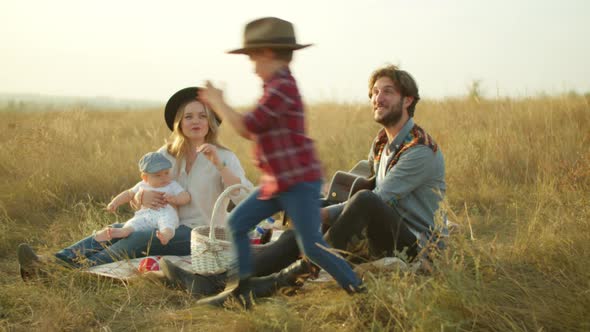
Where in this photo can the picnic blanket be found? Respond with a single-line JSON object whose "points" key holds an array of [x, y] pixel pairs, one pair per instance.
{"points": [[127, 269]]}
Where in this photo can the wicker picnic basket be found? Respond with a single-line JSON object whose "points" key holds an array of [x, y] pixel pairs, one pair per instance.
{"points": [[211, 246]]}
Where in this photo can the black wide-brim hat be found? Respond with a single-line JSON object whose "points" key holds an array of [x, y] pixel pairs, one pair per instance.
{"points": [[178, 99]]}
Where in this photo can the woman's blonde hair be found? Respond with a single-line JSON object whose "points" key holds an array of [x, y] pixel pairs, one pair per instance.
{"points": [[177, 144]]}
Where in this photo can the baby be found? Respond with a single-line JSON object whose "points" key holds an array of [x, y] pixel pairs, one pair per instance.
{"points": [[155, 173]]}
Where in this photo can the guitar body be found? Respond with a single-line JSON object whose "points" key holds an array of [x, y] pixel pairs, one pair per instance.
{"points": [[346, 184]]}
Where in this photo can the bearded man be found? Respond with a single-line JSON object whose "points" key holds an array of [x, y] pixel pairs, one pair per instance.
{"points": [[399, 214]]}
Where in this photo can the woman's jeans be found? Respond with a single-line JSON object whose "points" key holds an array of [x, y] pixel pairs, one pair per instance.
{"points": [[302, 203], [137, 244]]}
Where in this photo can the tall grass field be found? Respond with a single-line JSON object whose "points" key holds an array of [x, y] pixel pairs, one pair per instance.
{"points": [[518, 178]]}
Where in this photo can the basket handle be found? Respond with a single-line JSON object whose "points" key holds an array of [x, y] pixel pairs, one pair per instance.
{"points": [[221, 206]]}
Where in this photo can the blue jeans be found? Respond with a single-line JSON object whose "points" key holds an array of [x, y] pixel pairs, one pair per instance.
{"points": [[302, 203], [137, 244]]}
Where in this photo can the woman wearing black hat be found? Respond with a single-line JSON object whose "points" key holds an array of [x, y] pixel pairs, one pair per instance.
{"points": [[200, 164]]}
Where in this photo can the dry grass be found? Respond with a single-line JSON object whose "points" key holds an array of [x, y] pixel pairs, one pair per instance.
{"points": [[519, 181]]}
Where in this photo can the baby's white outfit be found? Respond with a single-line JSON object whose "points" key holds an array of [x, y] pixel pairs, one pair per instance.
{"points": [[148, 219]]}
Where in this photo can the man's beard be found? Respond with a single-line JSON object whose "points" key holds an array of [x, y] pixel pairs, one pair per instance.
{"points": [[393, 116]]}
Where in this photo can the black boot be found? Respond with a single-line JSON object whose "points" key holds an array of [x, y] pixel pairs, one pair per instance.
{"points": [[276, 255], [296, 273], [197, 285], [242, 294], [291, 277]]}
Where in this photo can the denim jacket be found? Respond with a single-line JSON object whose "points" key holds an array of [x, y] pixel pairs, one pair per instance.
{"points": [[414, 182]]}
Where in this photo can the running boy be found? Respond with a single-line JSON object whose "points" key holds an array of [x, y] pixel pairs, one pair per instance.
{"points": [[291, 172]]}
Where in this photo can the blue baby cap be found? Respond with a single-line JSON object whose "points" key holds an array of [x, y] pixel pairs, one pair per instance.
{"points": [[153, 162]]}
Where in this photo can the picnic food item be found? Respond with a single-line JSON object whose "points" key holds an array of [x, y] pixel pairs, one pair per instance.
{"points": [[149, 264]]}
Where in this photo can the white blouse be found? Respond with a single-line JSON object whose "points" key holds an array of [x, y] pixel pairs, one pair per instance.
{"points": [[205, 184]]}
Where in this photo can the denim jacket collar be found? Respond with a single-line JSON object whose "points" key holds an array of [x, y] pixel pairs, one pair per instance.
{"points": [[401, 136]]}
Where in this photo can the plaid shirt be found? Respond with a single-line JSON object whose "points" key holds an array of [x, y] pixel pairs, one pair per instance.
{"points": [[284, 154]]}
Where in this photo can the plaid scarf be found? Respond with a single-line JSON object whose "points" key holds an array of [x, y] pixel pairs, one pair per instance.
{"points": [[416, 136]]}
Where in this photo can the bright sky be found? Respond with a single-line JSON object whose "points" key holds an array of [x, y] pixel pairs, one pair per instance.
{"points": [[149, 49]]}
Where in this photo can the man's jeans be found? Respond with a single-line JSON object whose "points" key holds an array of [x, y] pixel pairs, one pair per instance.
{"points": [[386, 229]]}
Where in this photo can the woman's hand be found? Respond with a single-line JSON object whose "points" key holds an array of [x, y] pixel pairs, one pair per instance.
{"points": [[169, 199], [210, 152], [153, 199]]}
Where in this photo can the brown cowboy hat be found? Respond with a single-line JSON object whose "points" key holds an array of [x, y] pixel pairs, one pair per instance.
{"points": [[178, 99], [269, 32]]}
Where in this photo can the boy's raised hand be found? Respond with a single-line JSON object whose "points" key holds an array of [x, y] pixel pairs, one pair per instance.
{"points": [[211, 95]]}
